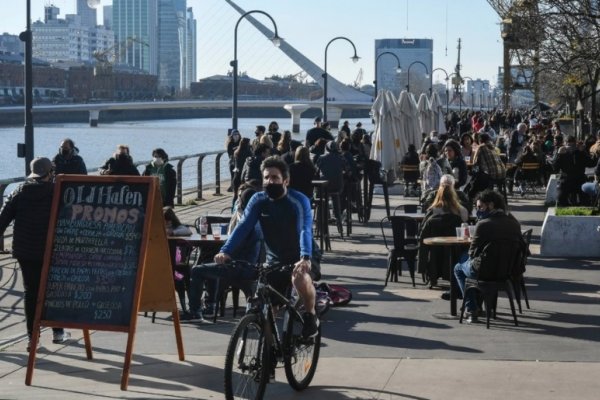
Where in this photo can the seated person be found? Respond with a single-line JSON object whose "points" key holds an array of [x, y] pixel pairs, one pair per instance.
{"points": [[179, 255], [248, 251], [591, 188], [446, 200], [411, 159], [495, 223], [487, 166], [527, 156]]}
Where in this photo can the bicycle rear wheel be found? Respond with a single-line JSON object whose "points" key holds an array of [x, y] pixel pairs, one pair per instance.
{"points": [[300, 355], [246, 360]]}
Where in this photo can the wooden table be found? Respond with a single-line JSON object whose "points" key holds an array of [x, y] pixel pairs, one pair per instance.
{"points": [[195, 240], [449, 241]]}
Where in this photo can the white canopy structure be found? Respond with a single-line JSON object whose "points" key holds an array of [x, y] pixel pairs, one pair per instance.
{"points": [[437, 113]]}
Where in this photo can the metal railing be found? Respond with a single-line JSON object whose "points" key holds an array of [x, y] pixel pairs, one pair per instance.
{"points": [[184, 175]]}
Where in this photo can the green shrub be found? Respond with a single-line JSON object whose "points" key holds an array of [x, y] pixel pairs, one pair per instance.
{"points": [[583, 211]]}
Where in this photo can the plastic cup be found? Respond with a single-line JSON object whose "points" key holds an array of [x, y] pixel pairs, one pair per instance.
{"points": [[459, 233], [216, 230], [471, 231]]}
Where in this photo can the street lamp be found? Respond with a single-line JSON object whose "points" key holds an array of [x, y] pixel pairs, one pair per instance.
{"points": [[26, 149], [276, 42], [408, 74], [398, 68], [354, 58], [447, 80]]}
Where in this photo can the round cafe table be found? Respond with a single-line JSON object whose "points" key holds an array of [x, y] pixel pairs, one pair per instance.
{"points": [[449, 241]]}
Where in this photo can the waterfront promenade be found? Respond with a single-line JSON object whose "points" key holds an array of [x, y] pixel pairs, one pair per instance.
{"points": [[392, 343]]}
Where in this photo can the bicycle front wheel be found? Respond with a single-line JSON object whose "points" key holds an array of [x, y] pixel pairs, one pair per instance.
{"points": [[246, 360], [300, 355]]}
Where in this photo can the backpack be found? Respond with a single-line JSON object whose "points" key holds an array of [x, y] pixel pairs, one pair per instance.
{"points": [[433, 174]]}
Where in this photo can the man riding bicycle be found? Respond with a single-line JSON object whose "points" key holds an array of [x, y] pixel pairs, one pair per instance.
{"points": [[285, 219]]}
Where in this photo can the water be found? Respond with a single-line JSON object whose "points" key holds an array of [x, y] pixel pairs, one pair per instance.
{"points": [[176, 137]]}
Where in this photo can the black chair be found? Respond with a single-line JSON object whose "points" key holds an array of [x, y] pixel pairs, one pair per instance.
{"points": [[497, 262], [407, 208], [404, 246], [374, 174], [519, 280], [529, 175], [410, 177]]}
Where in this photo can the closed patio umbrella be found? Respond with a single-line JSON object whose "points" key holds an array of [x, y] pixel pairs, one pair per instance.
{"points": [[410, 130], [385, 143], [437, 113], [425, 114]]}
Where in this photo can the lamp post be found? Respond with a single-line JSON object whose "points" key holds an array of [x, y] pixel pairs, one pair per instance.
{"points": [[276, 41], [354, 58], [26, 149], [447, 80], [398, 68], [408, 73]]}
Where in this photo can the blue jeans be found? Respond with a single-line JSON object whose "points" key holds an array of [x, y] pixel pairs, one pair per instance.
{"points": [[590, 188], [462, 271]]}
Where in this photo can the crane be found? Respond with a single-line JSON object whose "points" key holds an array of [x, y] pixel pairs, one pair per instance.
{"points": [[520, 44]]}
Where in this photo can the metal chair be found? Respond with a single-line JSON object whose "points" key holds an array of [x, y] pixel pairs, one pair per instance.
{"points": [[410, 176], [529, 174], [374, 174], [407, 208], [403, 247], [497, 262], [519, 280]]}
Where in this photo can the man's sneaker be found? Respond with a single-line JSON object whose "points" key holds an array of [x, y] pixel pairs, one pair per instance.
{"points": [[472, 317], [311, 325], [61, 337], [209, 310], [192, 316]]}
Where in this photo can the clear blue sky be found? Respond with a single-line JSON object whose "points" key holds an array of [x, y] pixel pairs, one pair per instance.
{"points": [[309, 24]]}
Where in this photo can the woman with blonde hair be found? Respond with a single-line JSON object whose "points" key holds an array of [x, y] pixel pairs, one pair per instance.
{"points": [[446, 200]]}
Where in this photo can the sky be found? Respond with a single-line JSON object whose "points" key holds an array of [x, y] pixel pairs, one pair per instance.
{"points": [[309, 24]]}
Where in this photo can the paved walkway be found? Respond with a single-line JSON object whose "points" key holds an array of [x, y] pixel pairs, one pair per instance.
{"points": [[397, 342]]}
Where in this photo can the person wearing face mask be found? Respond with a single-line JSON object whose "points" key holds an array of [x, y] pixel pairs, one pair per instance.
{"points": [[67, 160], [120, 163], [494, 223], [167, 177], [285, 219]]}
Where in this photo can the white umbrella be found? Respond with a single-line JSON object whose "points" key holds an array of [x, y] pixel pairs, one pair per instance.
{"points": [[410, 131], [425, 117], [384, 140], [437, 111]]}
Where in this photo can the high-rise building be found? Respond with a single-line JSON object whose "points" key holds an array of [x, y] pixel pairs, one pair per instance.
{"points": [[10, 43], [411, 53], [107, 17], [67, 39], [88, 15], [159, 37], [134, 23]]}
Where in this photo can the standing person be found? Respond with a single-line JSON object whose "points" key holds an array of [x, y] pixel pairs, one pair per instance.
{"points": [[359, 131], [487, 166], [517, 141], [316, 133], [239, 158], [29, 206], [68, 160], [167, 177], [285, 219], [232, 143], [120, 163], [274, 133], [571, 163], [346, 129]]}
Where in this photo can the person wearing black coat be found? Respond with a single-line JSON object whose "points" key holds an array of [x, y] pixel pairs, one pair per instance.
{"points": [[453, 153], [120, 163], [29, 206], [302, 172], [68, 161], [571, 162]]}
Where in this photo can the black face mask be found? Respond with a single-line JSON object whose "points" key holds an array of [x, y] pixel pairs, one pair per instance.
{"points": [[64, 152], [274, 190]]}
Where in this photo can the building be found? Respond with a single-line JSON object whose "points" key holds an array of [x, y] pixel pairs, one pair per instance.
{"points": [[416, 60], [478, 94], [158, 37], [87, 14], [10, 44], [135, 23], [107, 17], [68, 39]]}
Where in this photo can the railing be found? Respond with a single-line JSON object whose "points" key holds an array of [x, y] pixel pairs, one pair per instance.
{"points": [[188, 182]]}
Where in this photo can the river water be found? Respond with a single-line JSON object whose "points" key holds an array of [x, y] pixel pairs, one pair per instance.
{"points": [[178, 137]]}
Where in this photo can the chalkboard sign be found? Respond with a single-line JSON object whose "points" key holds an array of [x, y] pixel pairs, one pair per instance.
{"points": [[95, 252], [106, 259]]}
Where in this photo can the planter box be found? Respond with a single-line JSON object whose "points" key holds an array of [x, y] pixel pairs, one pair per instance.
{"points": [[551, 195], [570, 236]]}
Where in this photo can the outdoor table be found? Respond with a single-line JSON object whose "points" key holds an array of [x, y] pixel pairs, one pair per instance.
{"points": [[197, 241], [449, 241]]}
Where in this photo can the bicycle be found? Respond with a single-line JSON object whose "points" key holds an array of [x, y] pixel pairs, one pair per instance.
{"points": [[256, 346]]}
